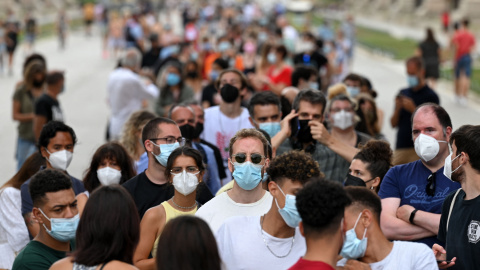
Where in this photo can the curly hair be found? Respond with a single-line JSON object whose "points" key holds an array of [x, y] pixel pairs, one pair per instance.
{"points": [[130, 131], [377, 155], [321, 205], [294, 165]]}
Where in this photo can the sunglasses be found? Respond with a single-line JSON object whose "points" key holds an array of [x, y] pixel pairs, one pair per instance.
{"points": [[242, 157], [431, 183]]}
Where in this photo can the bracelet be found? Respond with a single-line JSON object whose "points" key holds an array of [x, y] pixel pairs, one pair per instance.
{"points": [[412, 216]]}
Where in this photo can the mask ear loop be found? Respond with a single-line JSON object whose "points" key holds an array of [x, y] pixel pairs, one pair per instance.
{"points": [[356, 222]]}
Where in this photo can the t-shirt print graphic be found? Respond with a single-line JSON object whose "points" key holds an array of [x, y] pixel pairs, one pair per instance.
{"points": [[474, 231], [223, 144], [418, 196]]}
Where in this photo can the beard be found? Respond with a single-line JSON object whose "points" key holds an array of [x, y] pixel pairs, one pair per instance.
{"points": [[459, 175]]}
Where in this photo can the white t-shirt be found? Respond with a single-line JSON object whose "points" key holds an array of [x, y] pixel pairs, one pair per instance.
{"points": [[241, 246], [405, 256], [218, 209], [219, 129]]}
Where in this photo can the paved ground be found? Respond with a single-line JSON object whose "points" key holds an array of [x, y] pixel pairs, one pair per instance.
{"points": [[86, 111]]}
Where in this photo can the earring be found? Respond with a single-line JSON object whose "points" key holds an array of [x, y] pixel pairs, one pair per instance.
{"points": [[371, 187]]}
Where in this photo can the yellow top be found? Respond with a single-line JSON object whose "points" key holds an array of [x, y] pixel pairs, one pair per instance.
{"points": [[170, 213]]}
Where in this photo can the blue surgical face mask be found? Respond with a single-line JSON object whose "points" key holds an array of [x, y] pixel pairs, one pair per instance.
{"points": [[327, 49], [214, 75], [173, 79], [165, 151], [289, 213], [412, 80], [271, 58], [223, 46], [353, 91], [265, 177], [247, 175], [194, 56], [272, 128], [62, 229], [314, 85], [354, 248]]}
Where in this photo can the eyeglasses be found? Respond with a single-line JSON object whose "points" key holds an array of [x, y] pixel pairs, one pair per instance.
{"points": [[431, 183], [171, 140], [189, 169], [242, 157]]}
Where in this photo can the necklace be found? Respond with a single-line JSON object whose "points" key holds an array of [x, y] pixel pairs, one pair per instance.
{"points": [[266, 244], [183, 207]]}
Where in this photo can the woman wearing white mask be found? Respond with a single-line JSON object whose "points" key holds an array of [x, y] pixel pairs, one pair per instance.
{"points": [[110, 165], [184, 170]]}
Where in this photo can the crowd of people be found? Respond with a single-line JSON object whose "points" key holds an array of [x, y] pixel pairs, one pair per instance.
{"points": [[240, 144]]}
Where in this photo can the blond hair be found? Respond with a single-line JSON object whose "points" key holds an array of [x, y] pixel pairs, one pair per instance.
{"points": [[337, 89], [132, 127]]}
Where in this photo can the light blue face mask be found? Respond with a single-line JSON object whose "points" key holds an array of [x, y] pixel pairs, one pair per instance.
{"points": [[62, 229], [314, 85], [173, 79], [213, 75], [223, 46], [165, 151], [194, 56], [353, 91], [247, 175], [271, 58], [412, 81], [289, 213], [265, 177], [354, 248], [272, 128]]}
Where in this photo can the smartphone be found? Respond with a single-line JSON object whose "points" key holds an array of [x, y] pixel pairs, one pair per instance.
{"points": [[441, 261], [294, 127]]}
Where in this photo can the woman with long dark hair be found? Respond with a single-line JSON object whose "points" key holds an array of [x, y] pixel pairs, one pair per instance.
{"points": [[107, 233], [13, 232], [184, 171], [430, 52], [110, 164], [187, 243]]}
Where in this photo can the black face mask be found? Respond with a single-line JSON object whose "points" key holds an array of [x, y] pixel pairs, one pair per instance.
{"points": [[192, 74], [351, 180], [38, 83], [187, 131], [198, 130], [304, 134], [229, 93]]}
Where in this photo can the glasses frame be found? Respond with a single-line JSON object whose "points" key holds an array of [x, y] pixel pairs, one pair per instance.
{"points": [[180, 140], [246, 158], [185, 169]]}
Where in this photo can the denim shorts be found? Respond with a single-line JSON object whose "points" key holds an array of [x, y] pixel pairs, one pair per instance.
{"points": [[464, 64], [25, 148]]}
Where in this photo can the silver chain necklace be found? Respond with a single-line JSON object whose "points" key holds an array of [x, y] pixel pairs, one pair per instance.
{"points": [[183, 207], [265, 241]]}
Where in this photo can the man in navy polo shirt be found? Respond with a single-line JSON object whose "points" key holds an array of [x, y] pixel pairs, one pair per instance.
{"points": [[412, 194]]}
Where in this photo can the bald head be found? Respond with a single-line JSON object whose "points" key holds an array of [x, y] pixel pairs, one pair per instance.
{"points": [[182, 114]]}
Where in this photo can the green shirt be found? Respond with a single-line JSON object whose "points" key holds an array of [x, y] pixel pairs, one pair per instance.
{"points": [[27, 105], [37, 256]]}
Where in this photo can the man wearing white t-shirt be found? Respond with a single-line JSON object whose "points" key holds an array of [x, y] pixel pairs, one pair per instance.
{"points": [[247, 162], [224, 120], [366, 245], [272, 240]]}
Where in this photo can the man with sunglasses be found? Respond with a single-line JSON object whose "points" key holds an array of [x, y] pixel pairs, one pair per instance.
{"points": [[248, 161], [160, 137], [412, 194], [272, 240]]}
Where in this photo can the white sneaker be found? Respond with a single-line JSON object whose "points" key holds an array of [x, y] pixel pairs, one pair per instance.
{"points": [[463, 101]]}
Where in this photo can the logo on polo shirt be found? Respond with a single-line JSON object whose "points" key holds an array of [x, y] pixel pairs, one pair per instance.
{"points": [[474, 231]]}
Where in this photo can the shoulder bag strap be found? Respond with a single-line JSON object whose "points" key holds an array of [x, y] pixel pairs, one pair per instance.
{"points": [[451, 206]]}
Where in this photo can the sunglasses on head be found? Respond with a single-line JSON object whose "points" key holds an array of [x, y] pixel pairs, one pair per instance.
{"points": [[242, 157], [431, 183]]}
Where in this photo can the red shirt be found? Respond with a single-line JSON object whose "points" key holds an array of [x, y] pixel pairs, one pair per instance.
{"points": [[313, 265], [284, 76], [464, 42]]}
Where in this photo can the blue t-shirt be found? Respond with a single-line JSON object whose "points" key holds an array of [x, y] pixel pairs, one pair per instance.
{"points": [[404, 132], [408, 182], [142, 163], [211, 175]]}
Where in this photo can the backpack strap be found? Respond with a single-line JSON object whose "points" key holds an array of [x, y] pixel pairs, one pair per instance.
{"points": [[451, 206]]}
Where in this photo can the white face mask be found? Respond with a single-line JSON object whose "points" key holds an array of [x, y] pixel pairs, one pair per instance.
{"points": [[109, 176], [447, 168], [342, 119], [427, 147], [60, 159], [185, 183]]}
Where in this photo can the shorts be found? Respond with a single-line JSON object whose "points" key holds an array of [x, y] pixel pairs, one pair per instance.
{"points": [[11, 48], [464, 64], [88, 22]]}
